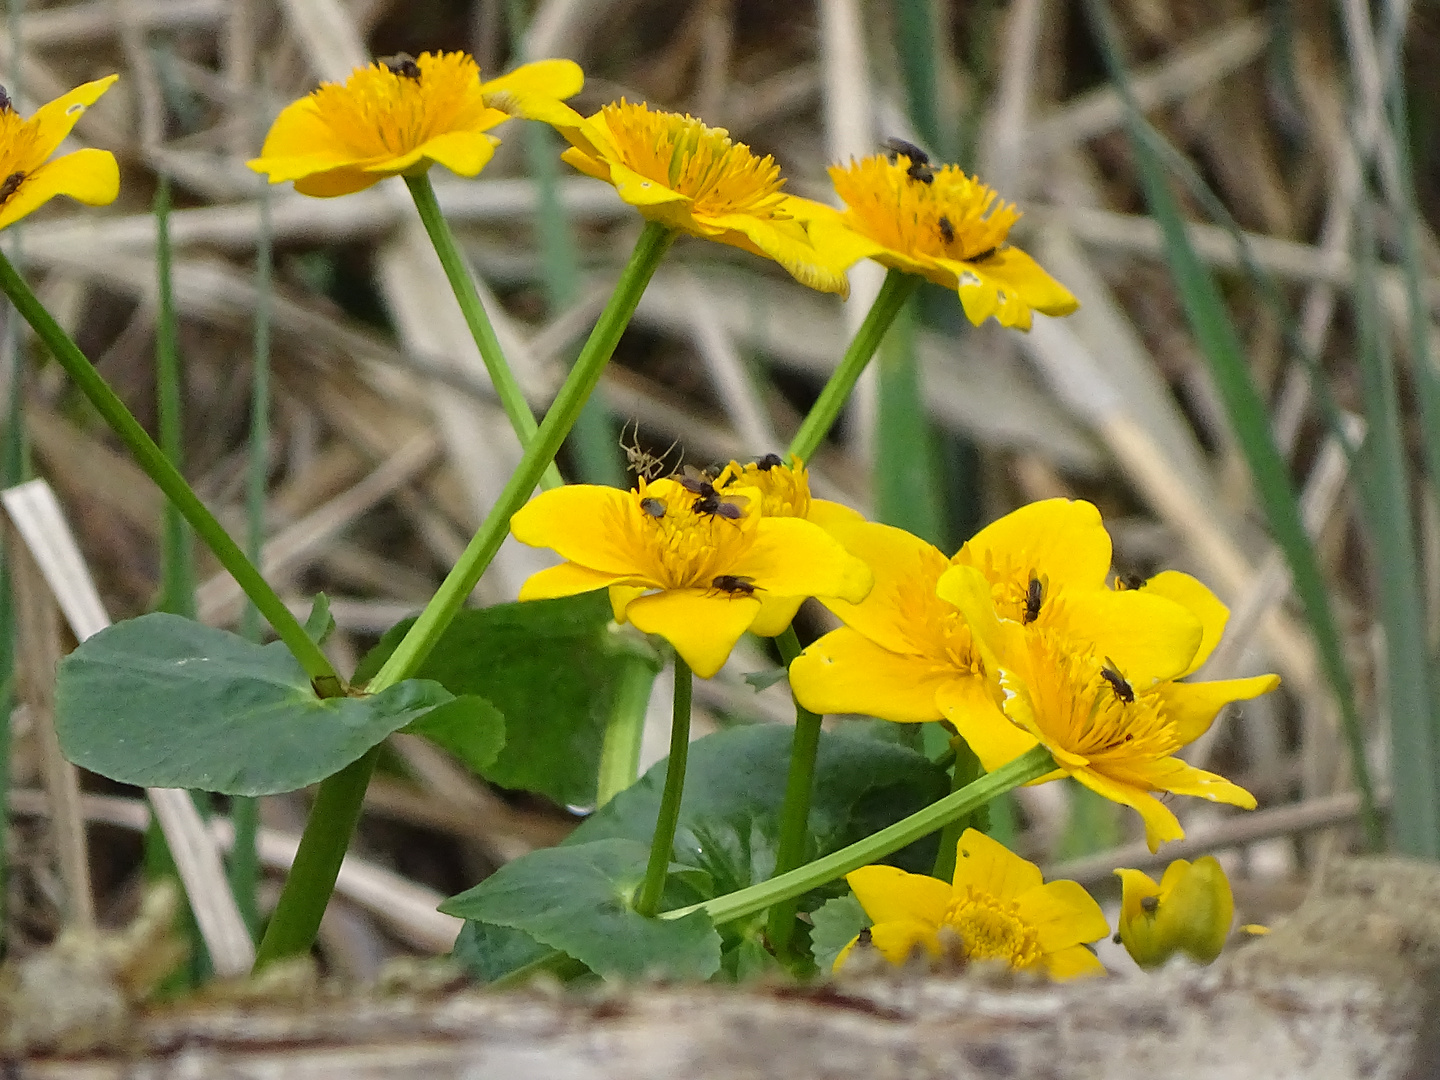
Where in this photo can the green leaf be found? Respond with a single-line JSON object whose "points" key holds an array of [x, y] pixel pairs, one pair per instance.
{"points": [[734, 786], [576, 898], [319, 626], [162, 701], [469, 727], [553, 668], [488, 952], [837, 922], [763, 680]]}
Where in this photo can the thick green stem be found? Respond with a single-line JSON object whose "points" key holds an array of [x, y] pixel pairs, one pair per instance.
{"points": [[965, 770], [1031, 765], [892, 296], [337, 808], [662, 844], [507, 388], [159, 469], [450, 597], [795, 811], [317, 862], [624, 729]]}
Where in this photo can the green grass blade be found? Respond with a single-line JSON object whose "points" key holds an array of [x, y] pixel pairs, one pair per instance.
{"points": [[904, 469], [1220, 343], [177, 554]]}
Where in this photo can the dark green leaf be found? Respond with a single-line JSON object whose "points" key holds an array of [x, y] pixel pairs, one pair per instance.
{"points": [[469, 727], [763, 680], [734, 786], [837, 922], [162, 701], [488, 952], [748, 959], [554, 668], [576, 898]]}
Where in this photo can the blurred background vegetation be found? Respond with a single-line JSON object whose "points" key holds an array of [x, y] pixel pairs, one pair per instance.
{"points": [[1240, 193]]}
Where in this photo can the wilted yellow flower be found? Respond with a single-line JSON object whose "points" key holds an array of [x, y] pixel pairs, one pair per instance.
{"points": [[696, 179], [950, 230], [689, 566], [401, 115], [28, 179], [1190, 911], [784, 492], [906, 652], [1114, 725], [998, 907]]}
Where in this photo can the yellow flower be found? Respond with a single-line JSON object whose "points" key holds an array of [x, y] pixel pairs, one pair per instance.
{"points": [[1111, 721], [402, 115], [691, 572], [693, 178], [1190, 911], [997, 908], [28, 179], [950, 230], [906, 653], [784, 492]]}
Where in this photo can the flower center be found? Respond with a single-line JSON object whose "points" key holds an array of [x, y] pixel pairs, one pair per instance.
{"points": [[1081, 706], [991, 929], [690, 538], [718, 175], [952, 217], [784, 492], [390, 109]]}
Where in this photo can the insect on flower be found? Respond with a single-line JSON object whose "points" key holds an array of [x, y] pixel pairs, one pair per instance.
{"points": [[768, 462], [1123, 690], [11, 185], [919, 160], [402, 64], [947, 231], [1034, 597], [640, 461], [708, 500], [654, 507], [734, 584], [1129, 581], [5, 103]]}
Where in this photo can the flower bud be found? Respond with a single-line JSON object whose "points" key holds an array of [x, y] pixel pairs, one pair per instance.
{"points": [[1190, 911]]}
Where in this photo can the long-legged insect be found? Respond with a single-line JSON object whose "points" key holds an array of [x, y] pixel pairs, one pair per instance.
{"points": [[640, 461]]}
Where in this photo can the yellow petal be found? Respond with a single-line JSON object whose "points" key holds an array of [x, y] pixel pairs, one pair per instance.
{"points": [[567, 579], [1063, 914], [622, 596], [701, 626], [583, 523], [464, 153], [969, 706], [1063, 539], [1181, 778], [590, 166], [900, 940], [829, 514], [540, 78], [645, 194], [90, 176], [1196, 598], [54, 120], [1160, 824], [846, 672], [890, 895], [1193, 706], [776, 613], [988, 866], [978, 296], [792, 248], [300, 142], [900, 563], [345, 180], [1149, 638], [792, 557], [1028, 281], [1073, 963]]}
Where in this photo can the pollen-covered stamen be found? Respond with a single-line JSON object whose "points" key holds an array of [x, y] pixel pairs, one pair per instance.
{"points": [[720, 176], [686, 548], [954, 216], [381, 112], [991, 929], [785, 492]]}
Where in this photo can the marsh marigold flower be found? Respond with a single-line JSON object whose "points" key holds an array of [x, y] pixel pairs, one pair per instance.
{"points": [[1114, 725], [1190, 911], [402, 115], [694, 577], [951, 231], [998, 908], [907, 654], [30, 179], [696, 179]]}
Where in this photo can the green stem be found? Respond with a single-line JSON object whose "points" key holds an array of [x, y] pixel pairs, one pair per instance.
{"points": [[507, 388], [624, 729], [1030, 765], [450, 597], [965, 770], [337, 807], [662, 844], [893, 293], [177, 562], [795, 811], [317, 862], [159, 469]]}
